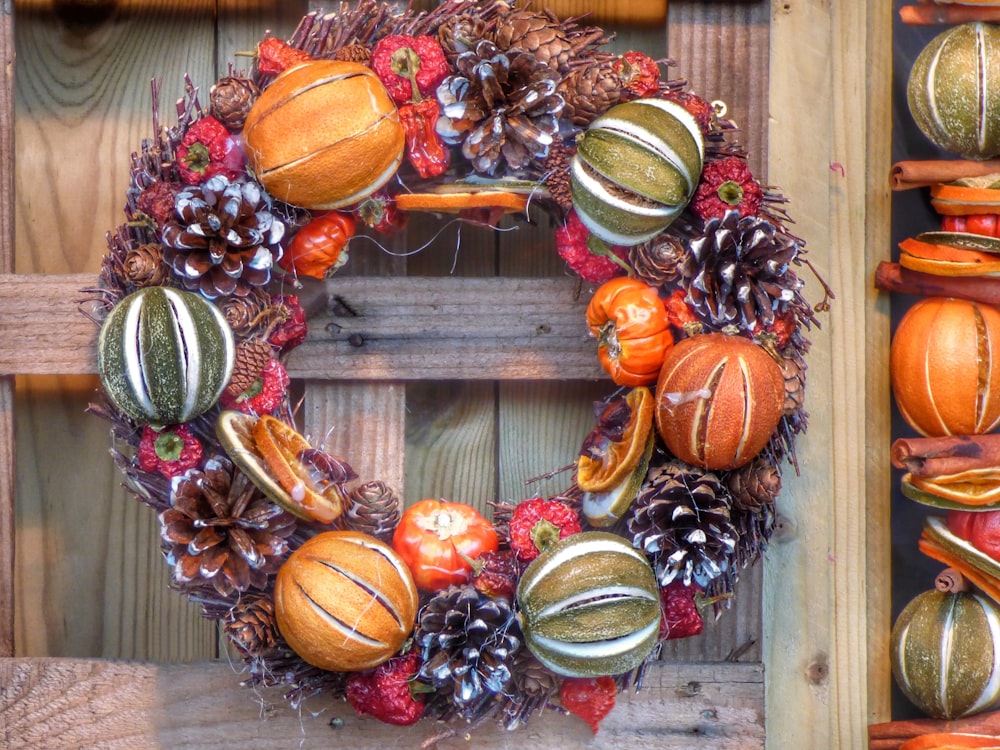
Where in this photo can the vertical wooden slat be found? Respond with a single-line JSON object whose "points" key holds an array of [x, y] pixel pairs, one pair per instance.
{"points": [[7, 383], [830, 87]]}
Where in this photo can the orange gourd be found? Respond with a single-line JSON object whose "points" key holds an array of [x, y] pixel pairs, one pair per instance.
{"points": [[945, 367]]}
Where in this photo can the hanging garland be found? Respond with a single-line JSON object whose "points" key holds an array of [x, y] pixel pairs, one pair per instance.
{"points": [[321, 580]]}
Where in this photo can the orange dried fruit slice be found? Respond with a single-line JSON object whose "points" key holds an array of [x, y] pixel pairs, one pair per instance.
{"points": [[280, 445], [614, 448], [969, 494], [960, 200], [949, 267], [945, 252], [512, 202]]}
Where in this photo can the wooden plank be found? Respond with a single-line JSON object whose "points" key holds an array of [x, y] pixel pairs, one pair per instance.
{"points": [[820, 576], [610, 12], [60, 703], [372, 329]]}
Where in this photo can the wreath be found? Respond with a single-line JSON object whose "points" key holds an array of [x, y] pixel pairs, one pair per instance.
{"points": [[325, 582]]}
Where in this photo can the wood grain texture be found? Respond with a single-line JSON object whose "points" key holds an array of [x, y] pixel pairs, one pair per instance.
{"points": [[611, 12], [819, 574], [60, 703]]}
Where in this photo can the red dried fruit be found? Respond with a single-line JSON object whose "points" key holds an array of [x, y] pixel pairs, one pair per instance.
{"points": [[291, 330], [727, 184], [387, 692], [209, 149], [639, 73], [589, 698], [410, 67], [379, 212], [424, 148], [572, 246], [275, 56], [702, 109], [681, 617], [679, 312], [264, 395], [495, 574], [170, 451], [158, 199], [537, 523]]}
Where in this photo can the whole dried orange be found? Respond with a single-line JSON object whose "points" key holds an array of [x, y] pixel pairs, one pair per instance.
{"points": [[945, 367], [613, 448], [345, 601], [324, 134]]}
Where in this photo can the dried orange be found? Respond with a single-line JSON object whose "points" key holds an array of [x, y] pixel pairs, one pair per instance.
{"points": [[970, 490], [950, 267], [509, 201], [280, 444], [606, 459]]}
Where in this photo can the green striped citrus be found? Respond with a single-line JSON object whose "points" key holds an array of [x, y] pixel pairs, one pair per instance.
{"points": [[164, 355], [590, 606], [946, 653], [635, 170], [954, 90]]}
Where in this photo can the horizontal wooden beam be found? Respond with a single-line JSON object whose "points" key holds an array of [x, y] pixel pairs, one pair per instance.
{"points": [[360, 328], [71, 703]]}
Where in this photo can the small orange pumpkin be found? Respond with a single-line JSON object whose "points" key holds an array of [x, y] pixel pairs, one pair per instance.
{"points": [[325, 134], [345, 601], [719, 399], [945, 367], [319, 248]]}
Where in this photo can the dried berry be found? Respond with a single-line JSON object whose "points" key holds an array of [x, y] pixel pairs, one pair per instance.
{"points": [[170, 451], [386, 693], [681, 617], [495, 574], [291, 328], [639, 73], [539, 523], [264, 394], [208, 149], [275, 56], [411, 67], [572, 246], [157, 201], [727, 184], [702, 109], [589, 698], [679, 312]]}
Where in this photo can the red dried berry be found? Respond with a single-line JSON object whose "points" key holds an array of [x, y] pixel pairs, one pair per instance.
{"points": [[291, 331], [157, 200], [275, 56], [170, 451], [538, 523], [681, 617], [208, 149], [385, 692], [702, 109], [571, 244], [679, 311], [589, 698], [781, 328], [639, 74], [727, 184], [495, 574], [410, 67], [379, 212], [264, 395]]}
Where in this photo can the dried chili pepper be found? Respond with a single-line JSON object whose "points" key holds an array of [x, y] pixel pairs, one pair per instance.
{"points": [[206, 150], [410, 67], [170, 451], [275, 56], [424, 149]]}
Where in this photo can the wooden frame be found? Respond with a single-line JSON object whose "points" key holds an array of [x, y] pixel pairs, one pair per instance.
{"points": [[825, 599]]}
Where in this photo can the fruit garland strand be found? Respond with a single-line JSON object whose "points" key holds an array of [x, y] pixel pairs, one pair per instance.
{"points": [[474, 108]]}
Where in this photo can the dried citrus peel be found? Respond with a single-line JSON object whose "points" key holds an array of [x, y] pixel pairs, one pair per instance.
{"points": [[510, 202], [599, 471]]}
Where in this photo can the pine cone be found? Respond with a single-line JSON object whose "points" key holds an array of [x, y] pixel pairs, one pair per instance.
{"points": [[459, 34], [754, 484], [144, 266], [590, 90], [231, 98], [222, 240], [374, 510], [251, 627], [658, 261], [681, 521], [245, 314], [221, 529], [502, 108], [539, 33], [358, 53], [531, 689], [755, 527], [555, 168], [252, 355], [737, 271], [793, 366], [468, 641]]}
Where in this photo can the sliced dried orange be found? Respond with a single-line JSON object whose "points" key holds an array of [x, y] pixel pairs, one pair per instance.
{"points": [[959, 200], [950, 253], [509, 201], [967, 493], [949, 267], [614, 448], [279, 445]]}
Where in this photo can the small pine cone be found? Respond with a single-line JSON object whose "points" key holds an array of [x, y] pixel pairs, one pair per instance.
{"points": [[231, 98], [537, 32], [657, 261], [755, 484], [144, 266], [244, 313], [358, 53], [459, 34], [794, 369], [590, 90], [556, 169], [532, 678], [251, 358], [251, 627], [374, 510]]}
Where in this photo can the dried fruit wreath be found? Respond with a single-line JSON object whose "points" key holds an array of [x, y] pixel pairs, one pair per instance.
{"points": [[324, 583]]}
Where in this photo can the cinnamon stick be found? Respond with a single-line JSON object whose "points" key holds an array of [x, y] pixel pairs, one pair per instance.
{"points": [[908, 174], [892, 277], [930, 15], [940, 456], [951, 581]]}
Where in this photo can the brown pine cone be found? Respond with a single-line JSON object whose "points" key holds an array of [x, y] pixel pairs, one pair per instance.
{"points": [[657, 261], [537, 32], [250, 625], [144, 266], [590, 90], [251, 357], [245, 314], [460, 34], [230, 100], [358, 53], [794, 369], [754, 485], [374, 510]]}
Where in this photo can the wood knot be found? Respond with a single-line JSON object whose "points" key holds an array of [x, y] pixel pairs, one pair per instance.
{"points": [[818, 673]]}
